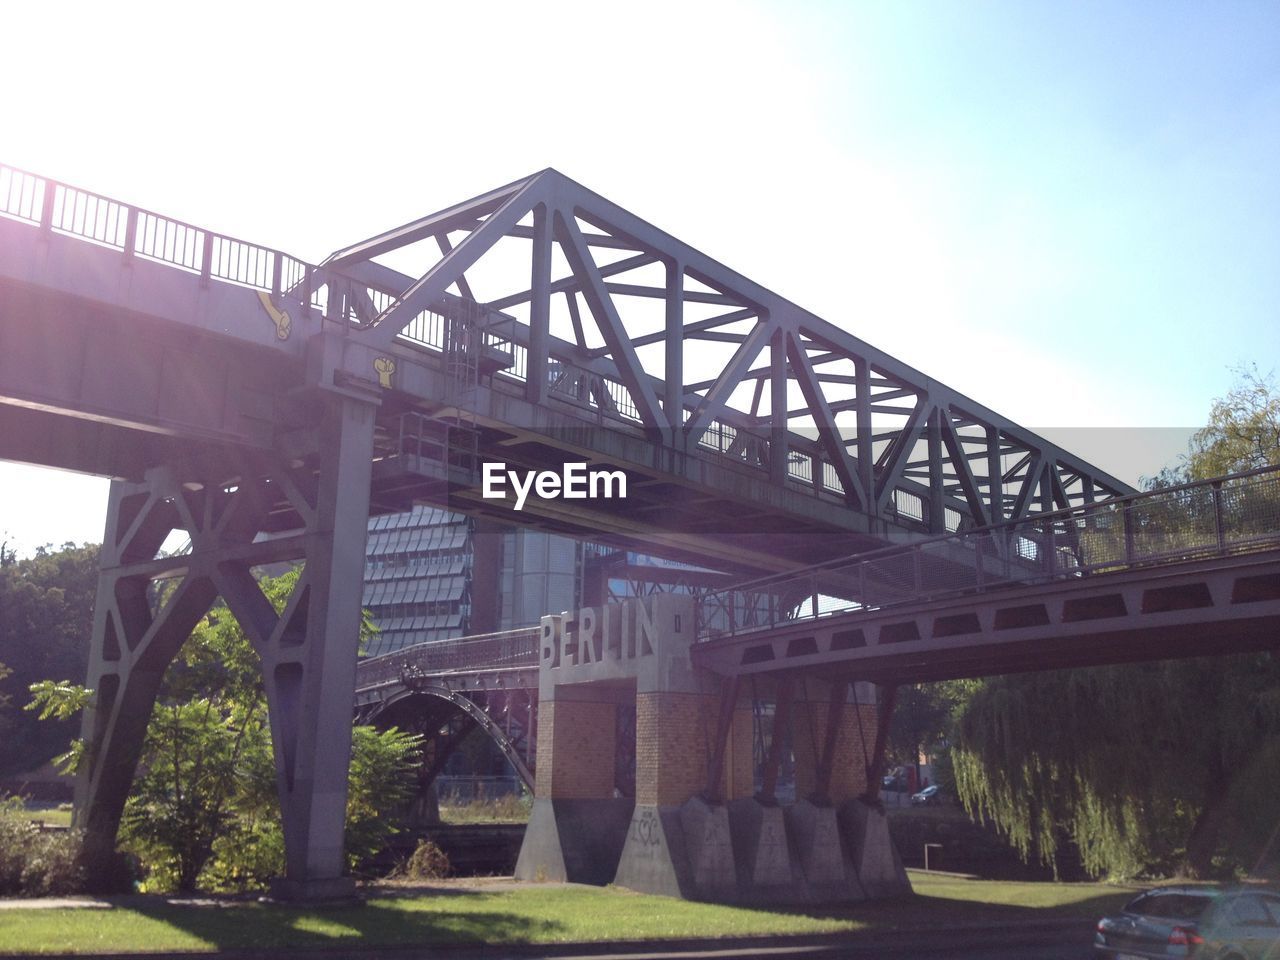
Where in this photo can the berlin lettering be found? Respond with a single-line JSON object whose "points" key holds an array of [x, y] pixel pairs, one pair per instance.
{"points": [[595, 634], [573, 482]]}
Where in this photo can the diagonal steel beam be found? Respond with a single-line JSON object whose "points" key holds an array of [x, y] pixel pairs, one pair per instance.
{"points": [[968, 484], [828, 431], [659, 293], [593, 239], [730, 378], [567, 284], [624, 355], [1030, 486], [895, 458], [446, 248], [432, 286], [451, 218], [698, 325]]}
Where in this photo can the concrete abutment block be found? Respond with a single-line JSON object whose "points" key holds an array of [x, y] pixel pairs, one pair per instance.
{"points": [[574, 841], [865, 832]]}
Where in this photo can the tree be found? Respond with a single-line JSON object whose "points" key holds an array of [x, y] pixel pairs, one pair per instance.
{"points": [[203, 810], [5, 722], [1141, 766], [920, 722], [1151, 768], [46, 617], [1243, 432]]}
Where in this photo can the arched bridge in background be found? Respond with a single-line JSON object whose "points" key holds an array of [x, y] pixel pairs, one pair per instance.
{"points": [[446, 689]]}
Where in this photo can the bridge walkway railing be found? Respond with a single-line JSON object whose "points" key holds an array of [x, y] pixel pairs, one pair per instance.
{"points": [[63, 209], [491, 652], [1210, 518]]}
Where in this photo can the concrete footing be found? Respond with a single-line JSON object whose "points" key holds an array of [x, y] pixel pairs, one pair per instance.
{"points": [[574, 841], [829, 871], [865, 831], [680, 851], [742, 853], [768, 870]]}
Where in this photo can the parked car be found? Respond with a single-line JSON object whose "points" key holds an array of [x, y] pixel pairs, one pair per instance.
{"points": [[895, 782], [1202, 922], [929, 795]]}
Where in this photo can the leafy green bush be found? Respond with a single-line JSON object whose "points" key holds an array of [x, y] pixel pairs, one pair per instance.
{"points": [[34, 863], [203, 811]]}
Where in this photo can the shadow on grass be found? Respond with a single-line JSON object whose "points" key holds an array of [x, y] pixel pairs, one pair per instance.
{"points": [[397, 920], [931, 910]]}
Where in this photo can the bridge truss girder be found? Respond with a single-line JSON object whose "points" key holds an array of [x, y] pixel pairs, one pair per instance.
{"points": [[656, 337]]}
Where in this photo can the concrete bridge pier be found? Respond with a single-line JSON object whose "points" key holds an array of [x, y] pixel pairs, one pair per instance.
{"points": [[308, 651], [579, 822], [837, 825], [693, 753], [696, 829]]}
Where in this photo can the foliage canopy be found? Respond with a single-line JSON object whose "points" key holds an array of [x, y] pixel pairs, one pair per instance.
{"points": [[1154, 768], [203, 811], [46, 616]]}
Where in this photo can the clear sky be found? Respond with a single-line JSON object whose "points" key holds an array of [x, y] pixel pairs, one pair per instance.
{"points": [[1068, 211]]}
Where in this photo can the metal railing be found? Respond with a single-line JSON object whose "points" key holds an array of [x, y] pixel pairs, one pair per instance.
{"points": [[62, 209], [604, 397], [509, 650], [1205, 519]]}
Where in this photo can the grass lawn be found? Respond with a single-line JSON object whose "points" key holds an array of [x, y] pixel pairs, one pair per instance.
{"points": [[1035, 900], [479, 913], [55, 816], [506, 809]]}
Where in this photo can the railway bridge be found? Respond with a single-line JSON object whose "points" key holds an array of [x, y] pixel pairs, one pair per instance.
{"points": [[266, 406]]}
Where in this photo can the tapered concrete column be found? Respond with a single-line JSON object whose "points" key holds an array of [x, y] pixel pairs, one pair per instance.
{"points": [[577, 825]]}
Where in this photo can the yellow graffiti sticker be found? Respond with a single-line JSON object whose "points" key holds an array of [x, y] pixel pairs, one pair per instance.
{"points": [[281, 319], [384, 367]]}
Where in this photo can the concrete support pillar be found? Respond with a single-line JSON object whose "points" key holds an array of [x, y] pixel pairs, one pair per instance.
{"points": [[309, 662], [577, 827], [675, 734]]}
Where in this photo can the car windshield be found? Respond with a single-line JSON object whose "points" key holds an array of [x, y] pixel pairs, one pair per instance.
{"points": [[1179, 906]]}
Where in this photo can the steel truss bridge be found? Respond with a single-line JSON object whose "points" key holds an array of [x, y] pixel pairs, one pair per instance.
{"points": [[266, 406], [537, 322]]}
